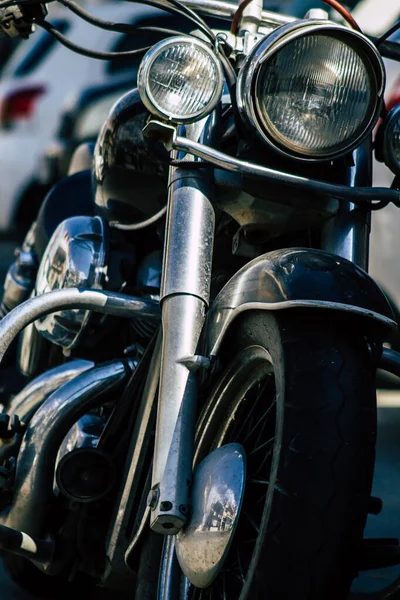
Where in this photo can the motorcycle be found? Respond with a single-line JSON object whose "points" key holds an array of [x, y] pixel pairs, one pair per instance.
{"points": [[191, 327]]}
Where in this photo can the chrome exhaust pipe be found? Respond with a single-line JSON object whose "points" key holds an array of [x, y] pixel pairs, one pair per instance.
{"points": [[33, 490], [109, 303], [31, 397]]}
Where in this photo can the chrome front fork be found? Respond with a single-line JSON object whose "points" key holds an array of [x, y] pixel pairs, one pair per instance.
{"points": [[184, 299]]}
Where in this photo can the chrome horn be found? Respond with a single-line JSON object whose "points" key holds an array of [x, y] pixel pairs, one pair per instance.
{"points": [[44, 435]]}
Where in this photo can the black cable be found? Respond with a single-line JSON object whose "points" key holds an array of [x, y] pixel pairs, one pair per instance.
{"points": [[89, 18], [183, 10], [160, 30], [390, 50], [230, 73], [85, 51], [111, 25], [176, 9], [190, 13], [180, 9], [387, 33]]}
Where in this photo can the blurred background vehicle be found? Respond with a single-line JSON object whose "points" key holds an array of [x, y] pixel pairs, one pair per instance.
{"points": [[80, 118], [40, 76], [80, 122]]}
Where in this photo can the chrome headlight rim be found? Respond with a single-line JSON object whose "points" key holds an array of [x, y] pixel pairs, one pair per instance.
{"points": [[392, 119], [248, 79], [144, 70]]}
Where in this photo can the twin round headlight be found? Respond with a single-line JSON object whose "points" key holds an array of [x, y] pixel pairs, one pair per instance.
{"points": [[311, 89], [180, 79]]}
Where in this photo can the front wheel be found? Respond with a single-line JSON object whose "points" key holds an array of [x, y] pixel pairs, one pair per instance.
{"points": [[298, 392]]}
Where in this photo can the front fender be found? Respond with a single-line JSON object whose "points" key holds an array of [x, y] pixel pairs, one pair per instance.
{"points": [[294, 278]]}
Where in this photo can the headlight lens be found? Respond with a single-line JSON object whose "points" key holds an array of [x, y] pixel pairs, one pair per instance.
{"points": [[391, 140], [314, 91], [180, 79], [314, 94]]}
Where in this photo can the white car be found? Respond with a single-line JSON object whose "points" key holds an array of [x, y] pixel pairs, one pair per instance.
{"points": [[37, 80]]}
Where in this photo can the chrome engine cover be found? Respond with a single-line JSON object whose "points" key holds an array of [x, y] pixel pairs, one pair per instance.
{"points": [[75, 257]]}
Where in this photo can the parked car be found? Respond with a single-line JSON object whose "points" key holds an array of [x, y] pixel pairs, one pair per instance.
{"points": [[80, 121], [36, 82]]}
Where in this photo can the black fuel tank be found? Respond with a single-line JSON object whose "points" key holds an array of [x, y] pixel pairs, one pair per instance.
{"points": [[129, 172]]}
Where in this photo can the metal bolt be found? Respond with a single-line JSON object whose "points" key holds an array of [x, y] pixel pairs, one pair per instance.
{"points": [[152, 498], [166, 505]]}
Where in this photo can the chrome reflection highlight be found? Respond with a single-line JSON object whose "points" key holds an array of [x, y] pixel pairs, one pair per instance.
{"points": [[33, 395], [217, 495], [312, 90], [109, 303], [75, 257]]}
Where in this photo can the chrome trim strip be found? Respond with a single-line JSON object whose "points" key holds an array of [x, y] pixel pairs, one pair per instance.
{"points": [[213, 348], [26, 403], [109, 303]]}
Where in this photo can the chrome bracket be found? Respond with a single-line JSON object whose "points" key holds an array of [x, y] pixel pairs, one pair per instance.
{"points": [[195, 362], [163, 132]]}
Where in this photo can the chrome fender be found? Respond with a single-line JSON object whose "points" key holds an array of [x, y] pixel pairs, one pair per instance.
{"points": [[297, 278]]}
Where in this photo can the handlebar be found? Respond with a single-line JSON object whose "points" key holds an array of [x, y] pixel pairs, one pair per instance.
{"points": [[226, 10], [18, 19]]}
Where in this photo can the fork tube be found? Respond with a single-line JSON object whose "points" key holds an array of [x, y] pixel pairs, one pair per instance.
{"points": [[184, 296], [347, 233]]}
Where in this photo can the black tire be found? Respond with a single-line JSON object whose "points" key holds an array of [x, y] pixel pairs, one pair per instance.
{"points": [[46, 587], [311, 519]]}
